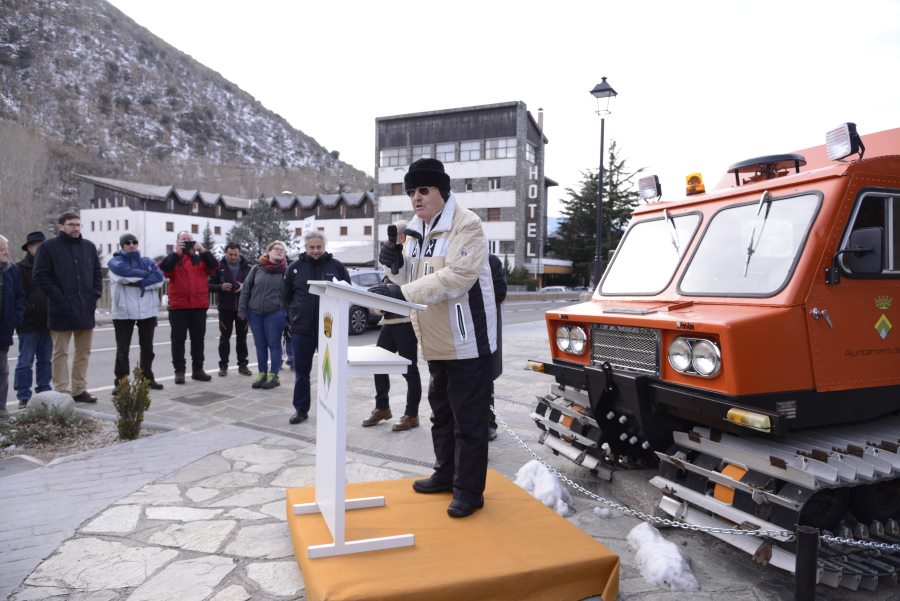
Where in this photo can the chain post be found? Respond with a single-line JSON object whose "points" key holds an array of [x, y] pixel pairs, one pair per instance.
{"points": [[805, 563]]}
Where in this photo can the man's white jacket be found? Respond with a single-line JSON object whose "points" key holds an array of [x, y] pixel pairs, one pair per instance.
{"points": [[448, 270]]}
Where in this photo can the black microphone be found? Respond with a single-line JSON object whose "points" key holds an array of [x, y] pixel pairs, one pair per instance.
{"points": [[392, 238]]}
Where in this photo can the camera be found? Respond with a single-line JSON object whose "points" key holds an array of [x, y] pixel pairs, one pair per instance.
{"points": [[187, 245]]}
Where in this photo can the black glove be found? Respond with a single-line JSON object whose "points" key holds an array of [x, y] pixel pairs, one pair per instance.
{"points": [[390, 290], [391, 255]]}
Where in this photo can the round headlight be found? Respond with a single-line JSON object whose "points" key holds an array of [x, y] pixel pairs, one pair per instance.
{"points": [[707, 360], [562, 338], [680, 355], [577, 340]]}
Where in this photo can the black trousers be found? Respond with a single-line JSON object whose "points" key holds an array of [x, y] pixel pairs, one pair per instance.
{"points": [[400, 338], [124, 329], [228, 322], [459, 395], [184, 322]]}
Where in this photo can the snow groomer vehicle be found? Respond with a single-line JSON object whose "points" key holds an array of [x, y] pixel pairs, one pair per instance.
{"points": [[747, 341]]}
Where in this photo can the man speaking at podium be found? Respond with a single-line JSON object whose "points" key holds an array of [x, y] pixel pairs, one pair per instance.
{"points": [[444, 265]]}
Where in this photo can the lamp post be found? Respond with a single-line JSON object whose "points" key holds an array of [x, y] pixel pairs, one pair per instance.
{"points": [[601, 91]]}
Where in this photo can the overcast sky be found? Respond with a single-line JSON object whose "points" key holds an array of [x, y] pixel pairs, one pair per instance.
{"points": [[701, 85]]}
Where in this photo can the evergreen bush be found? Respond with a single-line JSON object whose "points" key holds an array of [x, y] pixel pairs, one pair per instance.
{"points": [[132, 399]]}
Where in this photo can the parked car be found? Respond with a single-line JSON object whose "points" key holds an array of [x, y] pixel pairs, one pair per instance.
{"points": [[361, 318], [556, 289], [582, 289]]}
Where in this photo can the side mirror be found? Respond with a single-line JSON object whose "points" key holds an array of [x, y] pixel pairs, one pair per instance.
{"points": [[864, 254]]}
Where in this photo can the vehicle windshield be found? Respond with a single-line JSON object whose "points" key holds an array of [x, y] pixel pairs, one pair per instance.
{"points": [[649, 254], [750, 249]]}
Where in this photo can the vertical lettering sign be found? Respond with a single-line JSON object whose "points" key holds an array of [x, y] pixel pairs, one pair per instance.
{"points": [[532, 213]]}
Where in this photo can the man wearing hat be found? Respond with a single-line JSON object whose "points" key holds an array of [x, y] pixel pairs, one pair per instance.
{"points": [[133, 284], [35, 344], [68, 270], [444, 264]]}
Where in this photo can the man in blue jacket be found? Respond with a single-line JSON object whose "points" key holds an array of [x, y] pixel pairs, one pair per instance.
{"points": [[133, 284], [12, 310], [68, 271]]}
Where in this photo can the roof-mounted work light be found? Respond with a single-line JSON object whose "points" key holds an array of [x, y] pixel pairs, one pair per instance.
{"points": [[843, 141], [649, 188]]}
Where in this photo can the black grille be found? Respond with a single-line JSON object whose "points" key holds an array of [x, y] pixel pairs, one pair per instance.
{"points": [[625, 347]]}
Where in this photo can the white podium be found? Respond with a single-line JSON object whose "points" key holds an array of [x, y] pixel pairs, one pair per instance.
{"points": [[337, 361]]}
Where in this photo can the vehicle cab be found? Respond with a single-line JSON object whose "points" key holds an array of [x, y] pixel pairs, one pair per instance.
{"points": [[767, 305]]}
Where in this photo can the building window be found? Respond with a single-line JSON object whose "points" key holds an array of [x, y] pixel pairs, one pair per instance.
{"points": [[92, 226], [343, 210], [504, 148], [493, 183], [117, 224], [529, 152], [195, 207], [421, 152], [367, 230], [170, 205], [321, 229], [109, 225], [493, 214], [298, 231], [470, 184], [170, 226], [394, 157], [446, 153], [397, 189], [217, 230], [169, 249], [470, 151], [395, 217], [296, 210], [109, 249], [343, 230], [240, 215], [218, 210], [320, 211], [126, 224], [195, 229]]}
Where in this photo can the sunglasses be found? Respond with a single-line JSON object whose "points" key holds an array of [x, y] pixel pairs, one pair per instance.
{"points": [[422, 190], [130, 243]]}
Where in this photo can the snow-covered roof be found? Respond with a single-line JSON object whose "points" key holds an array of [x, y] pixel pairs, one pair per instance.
{"points": [[186, 195], [329, 200], [209, 198], [354, 199], [140, 190], [307, 202], [233, 202], [284, 202]]}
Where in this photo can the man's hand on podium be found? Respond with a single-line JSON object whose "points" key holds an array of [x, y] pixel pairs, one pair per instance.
{"points": [[391, 290]]}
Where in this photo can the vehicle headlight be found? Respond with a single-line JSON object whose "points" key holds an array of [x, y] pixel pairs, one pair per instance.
{"points": [[695, 356], [680, 355], [571, 339], [705, 358]]}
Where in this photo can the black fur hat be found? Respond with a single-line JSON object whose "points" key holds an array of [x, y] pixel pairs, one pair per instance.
{"points": [[428, 172]]}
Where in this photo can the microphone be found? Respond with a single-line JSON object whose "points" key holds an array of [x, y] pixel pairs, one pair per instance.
{"points": [[392, 238]]}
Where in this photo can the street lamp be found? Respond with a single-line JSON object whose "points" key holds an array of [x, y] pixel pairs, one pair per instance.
{"points": [[601, 91]]}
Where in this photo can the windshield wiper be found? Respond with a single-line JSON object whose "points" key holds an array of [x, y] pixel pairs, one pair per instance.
{"points": [[765, 199], [673, 233]]}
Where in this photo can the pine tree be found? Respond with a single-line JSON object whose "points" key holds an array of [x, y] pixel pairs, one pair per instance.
{"points": [[575, 239], [208, 241], [260, 225]]}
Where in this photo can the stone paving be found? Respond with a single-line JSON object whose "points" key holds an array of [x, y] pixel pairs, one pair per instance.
{"points": [[198, 512]]}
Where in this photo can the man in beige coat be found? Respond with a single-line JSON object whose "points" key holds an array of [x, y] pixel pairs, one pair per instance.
{"points": [[444, 265]]}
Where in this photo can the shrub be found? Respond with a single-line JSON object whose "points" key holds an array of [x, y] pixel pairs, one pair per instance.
{"points": [[41, 425], [132, 399]]}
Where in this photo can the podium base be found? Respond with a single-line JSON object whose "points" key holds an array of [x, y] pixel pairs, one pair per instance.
{"points": [[513, 548]]}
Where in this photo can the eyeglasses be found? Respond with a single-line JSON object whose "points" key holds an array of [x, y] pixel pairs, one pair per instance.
{"points": [[130, 243], [278, 248], [422, 190], [72, 224]]}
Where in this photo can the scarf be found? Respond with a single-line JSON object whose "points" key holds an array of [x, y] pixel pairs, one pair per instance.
{"points": [[271, 267]]}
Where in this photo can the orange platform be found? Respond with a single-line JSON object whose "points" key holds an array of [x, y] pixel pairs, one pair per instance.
{"points": [[514, 548]]}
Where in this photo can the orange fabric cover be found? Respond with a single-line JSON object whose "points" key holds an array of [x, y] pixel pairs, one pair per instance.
{"points": [[514, 548]]}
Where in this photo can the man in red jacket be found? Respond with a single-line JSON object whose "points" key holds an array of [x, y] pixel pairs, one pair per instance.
{"points": [[188, 268]]}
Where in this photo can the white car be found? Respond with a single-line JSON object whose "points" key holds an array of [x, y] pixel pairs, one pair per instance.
{"points": [[556, 289]]}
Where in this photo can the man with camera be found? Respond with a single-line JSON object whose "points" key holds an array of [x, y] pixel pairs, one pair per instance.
{"points": [[188, 268]]}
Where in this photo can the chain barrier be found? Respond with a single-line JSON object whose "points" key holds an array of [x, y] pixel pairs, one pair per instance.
{"points": [[785, 534], [866, 544]]}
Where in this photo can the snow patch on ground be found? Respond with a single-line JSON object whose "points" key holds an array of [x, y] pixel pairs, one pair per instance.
{"points": [[603, 512], [537, 480], [660, 561]]}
